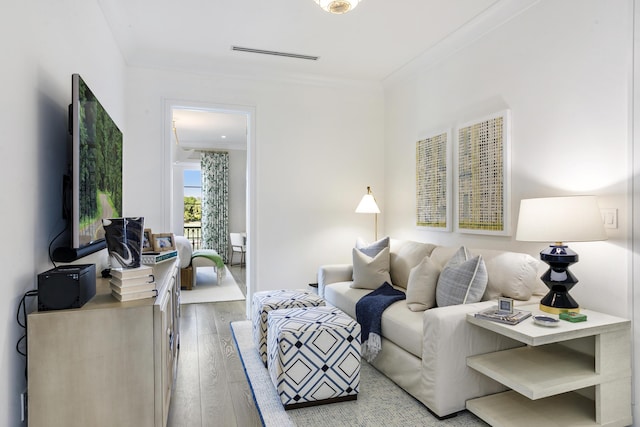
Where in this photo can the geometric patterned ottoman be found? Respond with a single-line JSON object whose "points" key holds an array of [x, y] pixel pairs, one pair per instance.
{"points": [[266, 301], [314, 356]]}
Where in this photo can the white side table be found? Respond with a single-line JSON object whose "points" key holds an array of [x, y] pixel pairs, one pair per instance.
{"points": [[571, 374]]}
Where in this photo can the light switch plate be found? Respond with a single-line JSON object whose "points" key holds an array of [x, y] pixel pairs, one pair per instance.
{"points": [[609, 217]]}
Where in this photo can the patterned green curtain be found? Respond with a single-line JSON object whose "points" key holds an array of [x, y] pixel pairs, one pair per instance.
{"points": [[215, 202]]}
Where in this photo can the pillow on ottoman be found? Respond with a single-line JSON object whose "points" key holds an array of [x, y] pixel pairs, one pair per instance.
{"points": [[421, 287], [370, 272], [462, 281]]}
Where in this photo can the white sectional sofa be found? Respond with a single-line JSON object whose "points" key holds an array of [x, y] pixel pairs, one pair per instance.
{"points": [[425, 352]]}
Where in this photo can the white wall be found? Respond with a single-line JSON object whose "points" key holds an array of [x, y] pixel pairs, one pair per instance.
{"points": [[563, 69], [43, 43], [317, 147]]}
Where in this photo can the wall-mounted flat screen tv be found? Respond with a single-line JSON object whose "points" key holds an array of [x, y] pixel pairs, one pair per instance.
{"points": [[96, 173]]}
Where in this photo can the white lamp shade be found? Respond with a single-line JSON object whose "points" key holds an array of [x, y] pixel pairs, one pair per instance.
{"points": [[560, 219], [368, 204], [338, 6]]}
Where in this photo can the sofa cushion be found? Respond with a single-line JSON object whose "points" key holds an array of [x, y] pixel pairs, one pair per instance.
{"points": [[421, 288], [462, 281], [511, 274], [370, 272], [404, 255], [400, 325], [372, 249]]}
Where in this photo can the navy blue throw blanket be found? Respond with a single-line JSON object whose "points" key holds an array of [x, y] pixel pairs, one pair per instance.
{"points": [[369, 314]]}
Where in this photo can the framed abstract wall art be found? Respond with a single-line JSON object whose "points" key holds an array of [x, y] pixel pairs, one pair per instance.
{"points": [[433, 181], [482, 174]]}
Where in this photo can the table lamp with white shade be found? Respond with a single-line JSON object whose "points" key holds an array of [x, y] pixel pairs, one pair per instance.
{"points": [[560, 220]]}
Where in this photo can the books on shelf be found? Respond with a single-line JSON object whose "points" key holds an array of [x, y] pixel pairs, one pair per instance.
{"points": [[122, 290], [133, 283], [151, 258], [500, 316], [127, 273], [135, 296]]}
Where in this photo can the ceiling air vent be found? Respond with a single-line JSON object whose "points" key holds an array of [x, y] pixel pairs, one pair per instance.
{"points": [[274, 53]]}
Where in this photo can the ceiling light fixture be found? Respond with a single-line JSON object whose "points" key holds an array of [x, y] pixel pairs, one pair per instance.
{"points": [[338, 6]]}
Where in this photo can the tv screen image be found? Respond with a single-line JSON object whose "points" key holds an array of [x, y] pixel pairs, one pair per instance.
{"points": [[97, 166], [93, 187]]}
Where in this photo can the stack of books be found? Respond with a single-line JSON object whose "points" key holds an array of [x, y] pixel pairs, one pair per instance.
{"points": [[130, 284], [496, 315], [151, 258]]}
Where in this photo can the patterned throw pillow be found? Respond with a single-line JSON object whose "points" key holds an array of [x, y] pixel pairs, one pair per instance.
{"points": [[421, 287], [462, 281], [370, 272]]}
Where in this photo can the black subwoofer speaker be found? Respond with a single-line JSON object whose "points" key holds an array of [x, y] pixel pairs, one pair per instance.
{"points": [[70, 286]]}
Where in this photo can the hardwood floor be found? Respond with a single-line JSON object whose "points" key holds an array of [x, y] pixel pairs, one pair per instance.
{"points": [[211, 388]]}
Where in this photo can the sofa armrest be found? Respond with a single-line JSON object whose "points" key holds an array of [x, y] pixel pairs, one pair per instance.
{"points": [[448, 339], [333, 273]]}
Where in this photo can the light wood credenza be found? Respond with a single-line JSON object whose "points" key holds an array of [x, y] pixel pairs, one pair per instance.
{"points": [[107, 363]]}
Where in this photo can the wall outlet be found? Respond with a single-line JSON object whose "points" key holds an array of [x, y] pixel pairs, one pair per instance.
{"points": [[23, 406]]}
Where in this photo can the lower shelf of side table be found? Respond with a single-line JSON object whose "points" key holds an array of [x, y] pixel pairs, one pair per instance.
{"points": [[538, 372], [510, 408]]}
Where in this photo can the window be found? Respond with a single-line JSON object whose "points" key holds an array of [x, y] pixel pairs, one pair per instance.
{"points": [[192, 206]]}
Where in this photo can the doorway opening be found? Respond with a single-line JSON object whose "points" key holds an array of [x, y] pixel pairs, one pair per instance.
{"points": [[194, 128]]}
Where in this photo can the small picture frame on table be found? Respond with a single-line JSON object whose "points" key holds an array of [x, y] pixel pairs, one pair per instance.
{"points": [[505, 305], [163, 242], [147, 240]]}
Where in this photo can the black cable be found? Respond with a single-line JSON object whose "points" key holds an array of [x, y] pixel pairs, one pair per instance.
{"points": [[66, 227], [22, 307], [66, 211]]}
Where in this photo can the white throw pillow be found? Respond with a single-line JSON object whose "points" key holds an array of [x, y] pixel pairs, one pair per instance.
{"points": [[421, 286], [462, 281], [403, 256], [370, 272]]}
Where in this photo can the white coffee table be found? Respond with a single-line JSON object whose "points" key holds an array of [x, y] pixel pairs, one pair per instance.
{"points": [[570, 374]]}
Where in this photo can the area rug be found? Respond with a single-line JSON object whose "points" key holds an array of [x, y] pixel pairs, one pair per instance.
{"points": [[208, 289], [380, 402]]}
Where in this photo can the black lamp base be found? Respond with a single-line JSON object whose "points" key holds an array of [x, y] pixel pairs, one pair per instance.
{"points": [[558, 301], [559, 280]]}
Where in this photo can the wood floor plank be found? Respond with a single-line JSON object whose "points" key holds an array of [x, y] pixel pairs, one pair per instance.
{"points": [[215, 396], [211, 388], [227, 312], [206, 318], [244, 405], [185, 408]]}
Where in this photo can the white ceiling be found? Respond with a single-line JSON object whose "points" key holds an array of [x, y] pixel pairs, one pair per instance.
{"points": [[369, 43]]}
